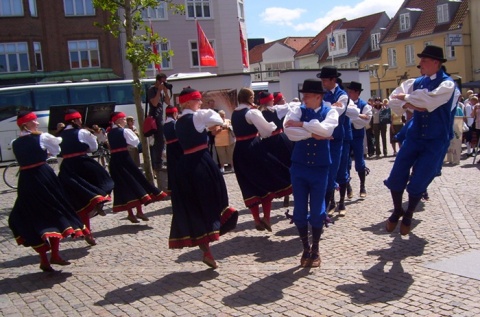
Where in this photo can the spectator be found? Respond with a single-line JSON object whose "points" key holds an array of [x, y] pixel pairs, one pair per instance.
{"points": [[224, 143]]}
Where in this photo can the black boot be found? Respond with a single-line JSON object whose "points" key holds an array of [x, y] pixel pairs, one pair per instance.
{"points": [[349, 191], [303, 233], [407, 218], [363, 192], [341, 204], [397, 211], [315, 254], [328, 202]]}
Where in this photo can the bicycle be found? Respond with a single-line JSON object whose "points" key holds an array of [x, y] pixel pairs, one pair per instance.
{"points": [[11, 172], [103, 155]]}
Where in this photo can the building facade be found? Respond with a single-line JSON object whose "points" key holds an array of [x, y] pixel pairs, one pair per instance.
{"points": [[55, 41]]}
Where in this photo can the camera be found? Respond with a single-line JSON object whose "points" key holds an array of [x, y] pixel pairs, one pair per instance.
{"points": [[168, 85]]}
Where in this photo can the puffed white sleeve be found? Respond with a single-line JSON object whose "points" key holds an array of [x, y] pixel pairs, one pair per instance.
{"points": [[206, 118], [50, 143], [352, 110], [89, 139], [324, 128], [431, 100], [281, 110], [265, 128], [396, 105], [130, 137]]}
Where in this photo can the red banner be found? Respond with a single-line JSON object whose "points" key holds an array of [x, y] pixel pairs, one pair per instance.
{"points": [[205, 50], [243, 45], [154, 48]]}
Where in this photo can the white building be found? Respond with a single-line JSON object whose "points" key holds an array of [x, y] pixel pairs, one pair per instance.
{"points": [[220, 21]]}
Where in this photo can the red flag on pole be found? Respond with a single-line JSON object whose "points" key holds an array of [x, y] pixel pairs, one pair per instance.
{"points": [[206, 51], [243, 44], [154, 47]]}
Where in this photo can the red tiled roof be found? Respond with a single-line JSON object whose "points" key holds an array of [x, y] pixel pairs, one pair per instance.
{"points": [[366, 24], [295, 43], [426, 23], [310, 47]]}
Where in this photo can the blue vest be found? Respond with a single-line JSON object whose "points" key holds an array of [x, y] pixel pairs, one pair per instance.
{"points": [[438, 123], [339, 132], [70, 143], [240, 125], [116, 140], [187, 135], [359, 133], [27, 150], [312, 152], [169, 131], [271, 116]]}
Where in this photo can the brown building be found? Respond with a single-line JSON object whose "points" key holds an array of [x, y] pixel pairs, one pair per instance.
{"points": [[56, 41]]}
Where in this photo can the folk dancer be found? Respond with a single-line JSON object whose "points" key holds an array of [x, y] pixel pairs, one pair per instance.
{"points": [[430, 97], [310, 126]]}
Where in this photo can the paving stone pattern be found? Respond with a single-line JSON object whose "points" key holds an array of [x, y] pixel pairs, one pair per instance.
{"points": [[365, 271]]}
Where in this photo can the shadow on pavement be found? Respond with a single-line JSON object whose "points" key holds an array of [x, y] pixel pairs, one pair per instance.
{"points": [[32, 282], [67, 254], [266, 290], [123, 229], [168, 284], [387, 280]]}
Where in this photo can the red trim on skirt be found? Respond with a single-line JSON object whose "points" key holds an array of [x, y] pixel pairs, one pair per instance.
{"points": [[193, 242]]}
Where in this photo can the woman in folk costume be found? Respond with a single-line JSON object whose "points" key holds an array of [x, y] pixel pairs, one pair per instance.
{"points": [[86, 182], [174, 149], [260, 175], [132, 189], [41, 215], [201, 212]]}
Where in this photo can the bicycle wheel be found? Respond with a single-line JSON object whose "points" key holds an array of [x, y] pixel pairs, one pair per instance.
{"points": [[10, 175], [53, 162]]}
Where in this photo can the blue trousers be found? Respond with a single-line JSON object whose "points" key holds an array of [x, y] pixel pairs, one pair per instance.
{"points": [[424, 155], [309, 187], [343, 173], [335, 154], [358, 153]]}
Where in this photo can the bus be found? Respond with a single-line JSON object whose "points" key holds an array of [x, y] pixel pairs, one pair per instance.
{"points": [[39, 98]]}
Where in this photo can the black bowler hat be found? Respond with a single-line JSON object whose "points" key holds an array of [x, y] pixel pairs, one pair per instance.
{"points": [[433, 52], [355, 86], [329, 72], [313, 86]]}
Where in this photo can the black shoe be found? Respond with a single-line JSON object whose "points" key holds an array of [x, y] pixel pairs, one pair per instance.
{"points": [[342, 211], [363, 192], [349, 191]]}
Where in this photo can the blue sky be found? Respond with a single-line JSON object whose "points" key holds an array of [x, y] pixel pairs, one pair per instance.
{"points": [[275, 19]]}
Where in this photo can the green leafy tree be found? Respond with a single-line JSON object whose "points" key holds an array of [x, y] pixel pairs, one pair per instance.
{"points": [[126, 15]]}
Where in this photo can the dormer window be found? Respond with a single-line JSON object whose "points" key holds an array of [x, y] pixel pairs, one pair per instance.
{"points": [[404, 21], [442, 13], [375, 41]]}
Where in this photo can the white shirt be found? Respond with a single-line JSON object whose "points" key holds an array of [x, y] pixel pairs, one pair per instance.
{"points": [[255, 117], [86, 137], [359, 123], [204, 118], [324, 128]]}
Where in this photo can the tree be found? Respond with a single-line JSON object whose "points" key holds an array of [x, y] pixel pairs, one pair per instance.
{"points": [[127, 15]]}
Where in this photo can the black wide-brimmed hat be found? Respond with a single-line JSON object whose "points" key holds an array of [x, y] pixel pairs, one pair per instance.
{"points": [[313, 86], [433, 52], [329, 72], [355, 86]]}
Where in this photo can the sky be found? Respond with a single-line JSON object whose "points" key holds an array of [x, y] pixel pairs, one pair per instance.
{"points": [[276, 19]]}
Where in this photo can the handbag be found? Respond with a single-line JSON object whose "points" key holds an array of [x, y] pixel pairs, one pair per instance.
{"points": [[385, 116], [149, 126]]}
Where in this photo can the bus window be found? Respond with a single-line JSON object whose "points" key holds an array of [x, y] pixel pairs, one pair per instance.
{"points": [[122, 94], [46, 97], [88, 94], [13, 101]]}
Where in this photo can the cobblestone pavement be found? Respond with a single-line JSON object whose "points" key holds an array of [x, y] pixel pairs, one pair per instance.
{"points": [[365, 271]]}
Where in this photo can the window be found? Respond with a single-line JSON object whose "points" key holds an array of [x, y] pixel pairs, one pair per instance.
{"points": [[405, 22], [194, 56], [257, 76], [375, 41], [198, 9], [157, 13], [392, 57], [37, 50], [342, 41], [450, 52], [275, 68], [14, 57], [11, 8], [32, 4], [79, 7], [84, 54], [409, 55], [163, 49], [241, 11], [442, 13]]}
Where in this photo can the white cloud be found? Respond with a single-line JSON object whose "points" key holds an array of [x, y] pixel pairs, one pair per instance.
{"points": [[281, 16], [286, 17]]}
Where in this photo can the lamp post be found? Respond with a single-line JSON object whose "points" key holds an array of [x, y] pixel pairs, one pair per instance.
{"points": [[376, 73]]}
